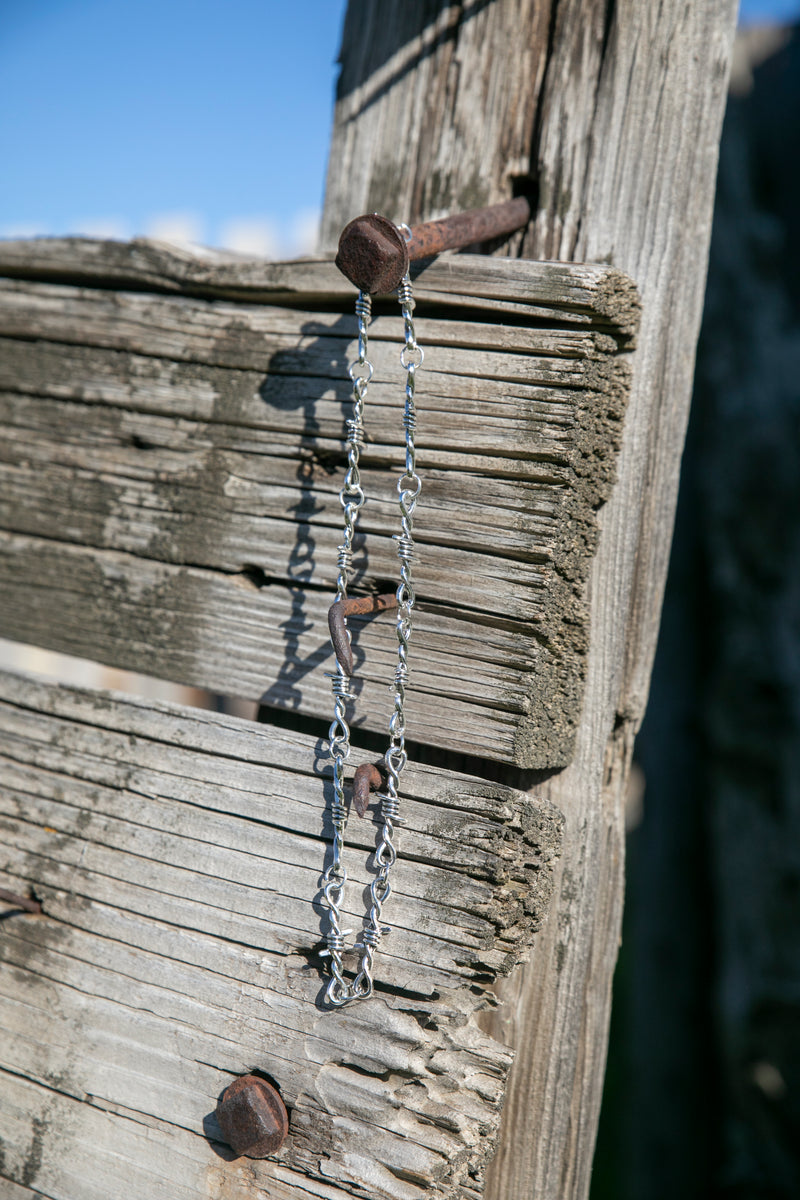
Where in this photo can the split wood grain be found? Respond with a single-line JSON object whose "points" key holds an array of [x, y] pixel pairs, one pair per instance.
{"points": [[177, 856], [174, 464]]}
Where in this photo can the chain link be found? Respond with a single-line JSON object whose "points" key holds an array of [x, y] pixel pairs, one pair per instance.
{"points": [[409, 486], [351, 498]]}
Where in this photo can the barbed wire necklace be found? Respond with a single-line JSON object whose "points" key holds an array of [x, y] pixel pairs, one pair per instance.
{"points": [[339, 990]]}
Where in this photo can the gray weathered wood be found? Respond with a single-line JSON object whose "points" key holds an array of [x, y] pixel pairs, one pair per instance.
{"points": [[192, 451], [176, 854], [611, 112], [621, 107], [582, 293]]}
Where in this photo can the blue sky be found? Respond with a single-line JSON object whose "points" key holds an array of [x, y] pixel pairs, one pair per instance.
{"points": [[754, 11], [134, 116], [201, 119]]}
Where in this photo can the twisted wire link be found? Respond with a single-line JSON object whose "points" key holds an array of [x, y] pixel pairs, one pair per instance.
{"points": [[351, 498], [409, 487], [339, 991]]}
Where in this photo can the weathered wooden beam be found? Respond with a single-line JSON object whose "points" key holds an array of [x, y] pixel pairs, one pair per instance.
{"points": [[581, 293], [177, 855], [171, 469], [609, 113]]}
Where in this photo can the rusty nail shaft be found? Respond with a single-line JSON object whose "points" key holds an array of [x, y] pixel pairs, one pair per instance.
{"points": [[357, 606], [374, 255], [466, 229], [366, 779], [32, 906]]}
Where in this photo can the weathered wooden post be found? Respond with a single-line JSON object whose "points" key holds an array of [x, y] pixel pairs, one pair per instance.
{"points": [[170, 503], [610, 113]]}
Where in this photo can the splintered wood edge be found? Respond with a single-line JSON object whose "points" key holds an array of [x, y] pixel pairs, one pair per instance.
{"points": [[64, 739], [578, 290]]}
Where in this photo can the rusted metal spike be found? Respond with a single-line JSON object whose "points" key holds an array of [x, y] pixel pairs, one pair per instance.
{"points": [[355, 606], [32, 906], [374, 255], [366, 779]]}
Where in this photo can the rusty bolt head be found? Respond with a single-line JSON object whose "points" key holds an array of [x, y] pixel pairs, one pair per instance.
{"points": [[252, 1117], [373, 254]]}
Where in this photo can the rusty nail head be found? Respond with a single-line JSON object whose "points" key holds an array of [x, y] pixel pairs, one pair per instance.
{"points": [[366, 779], [252, 1117], [374, 255]]}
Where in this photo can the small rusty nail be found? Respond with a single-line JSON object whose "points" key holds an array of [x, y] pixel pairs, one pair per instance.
{"points": [[355, 606], [32, 906], [366, 779], [374, 255], [252, 1117], [341, 642]]}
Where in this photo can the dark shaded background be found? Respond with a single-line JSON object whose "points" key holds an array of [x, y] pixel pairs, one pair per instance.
{"points": [[703, 1088]]}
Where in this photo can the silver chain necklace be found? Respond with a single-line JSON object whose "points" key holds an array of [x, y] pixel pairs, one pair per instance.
{"points": [[339, 990]]}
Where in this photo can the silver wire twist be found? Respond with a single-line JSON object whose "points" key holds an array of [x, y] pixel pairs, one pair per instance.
{"points": [[351, 498], [339, 991]]}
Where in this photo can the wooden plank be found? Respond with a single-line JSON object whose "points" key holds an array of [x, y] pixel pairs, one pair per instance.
{"points": [[177, 856], [209, 627], [193, 451], [576, 293], [14, 1191], [608, 115]]}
